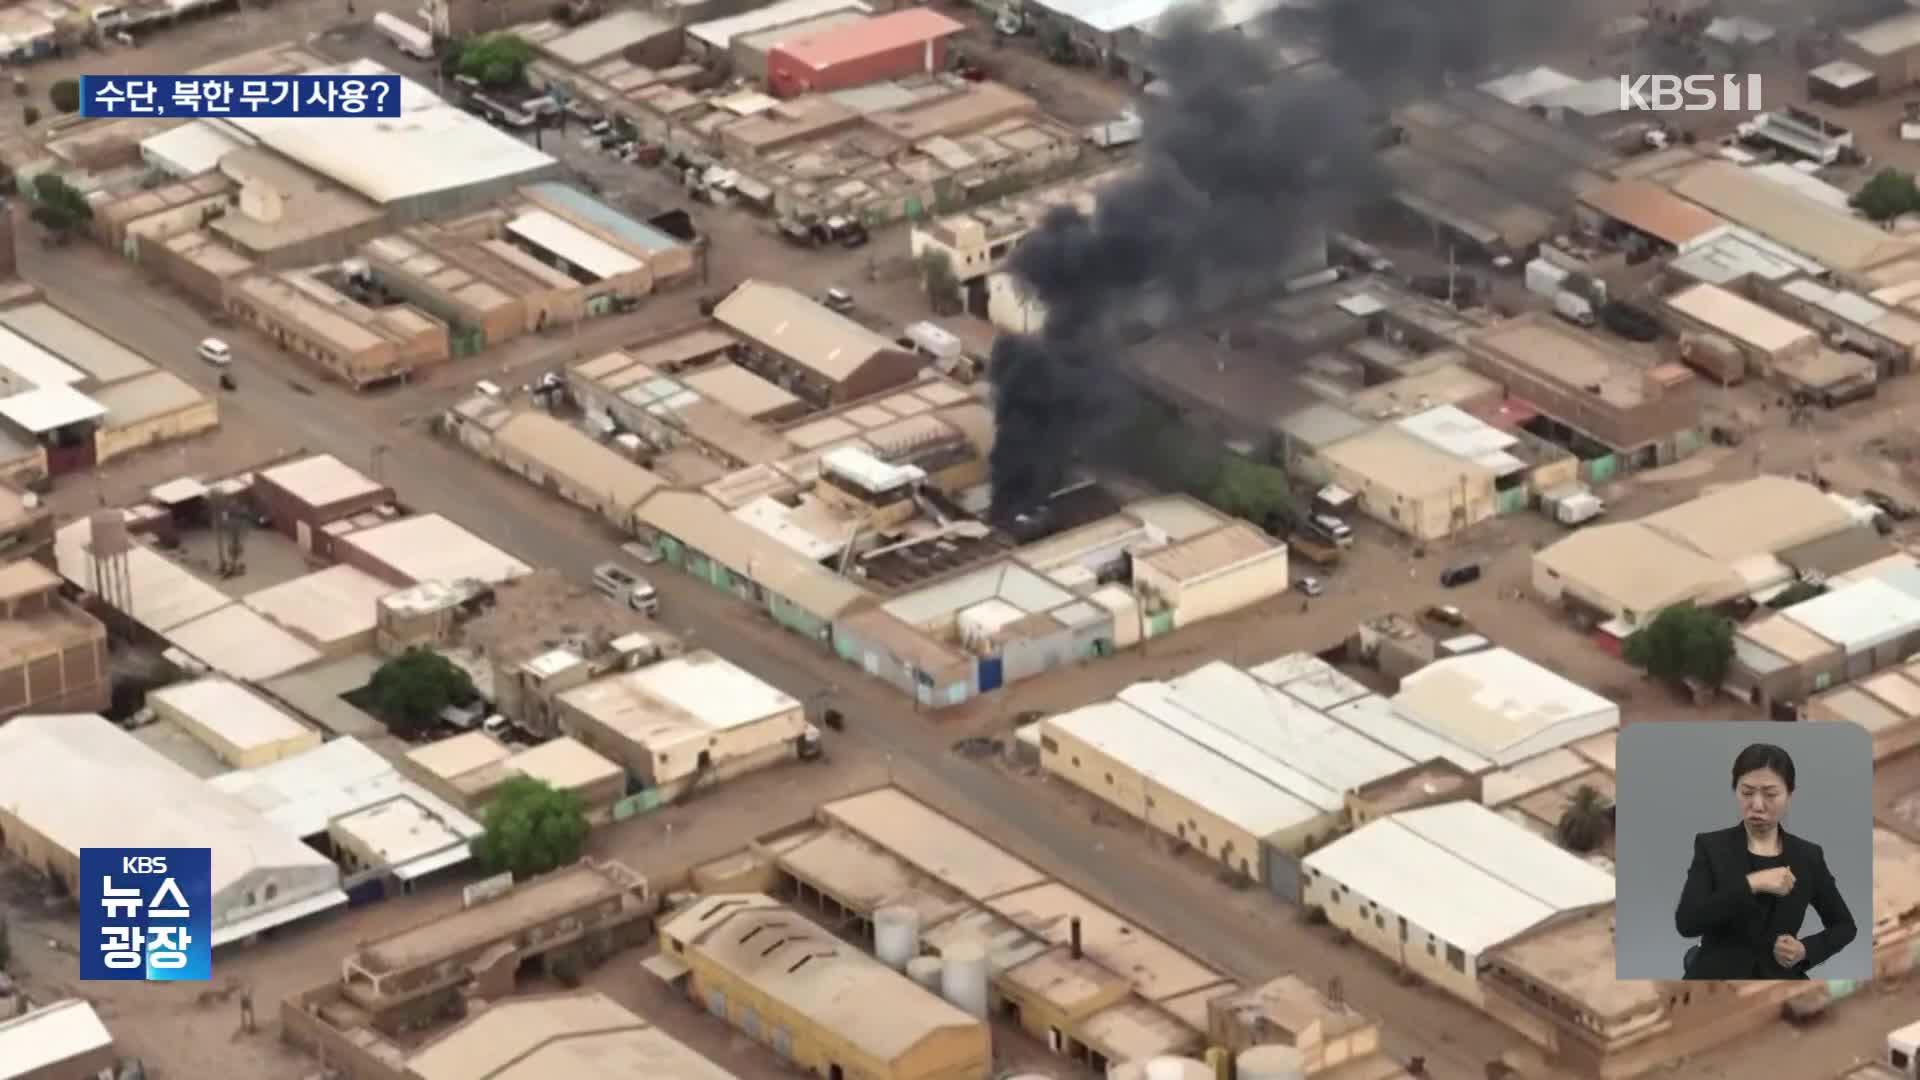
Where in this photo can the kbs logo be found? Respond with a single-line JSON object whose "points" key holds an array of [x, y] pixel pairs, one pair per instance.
{"points": [[1694, 93], [146, 914]]}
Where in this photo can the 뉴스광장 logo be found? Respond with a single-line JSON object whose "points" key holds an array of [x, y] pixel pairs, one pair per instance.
{"points": [[1694, 93], [146, 914]]}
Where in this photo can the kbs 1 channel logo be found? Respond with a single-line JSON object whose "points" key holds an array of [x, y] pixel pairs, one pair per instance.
{"points": [[319, 96], [146, 914]]}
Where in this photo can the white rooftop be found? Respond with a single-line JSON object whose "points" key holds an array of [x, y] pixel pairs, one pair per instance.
{"points": [[164, 593], [719, 33], [326, 606], [231, 711], [29, 365], [312, 790], [50, 407], [1463, 873], [1273, 734], [1162, 756], [322, 480], [192, 148], [50, 1036], [1502, 706], [432, 146], [1860, 616], [573, 245], [1455, 431], [236, 640], [135, 797], [431, 548], [699, 689], [410, 835]]}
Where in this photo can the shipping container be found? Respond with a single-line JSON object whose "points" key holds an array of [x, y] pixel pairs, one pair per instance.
{"points": [[906, 42]]}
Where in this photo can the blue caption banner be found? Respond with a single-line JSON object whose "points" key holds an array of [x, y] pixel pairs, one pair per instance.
{"points": [[146, 914], [240, 95]]}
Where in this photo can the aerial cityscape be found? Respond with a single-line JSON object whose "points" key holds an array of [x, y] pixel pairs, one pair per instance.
{"points": [[995, 540]]}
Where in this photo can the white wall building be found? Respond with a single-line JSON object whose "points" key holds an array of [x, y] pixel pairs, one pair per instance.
{"points": [[77, 781], [1434, 889], [1501, 706]]}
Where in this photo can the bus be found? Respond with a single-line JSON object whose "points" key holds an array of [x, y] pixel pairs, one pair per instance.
{"points": [[405, 36]]}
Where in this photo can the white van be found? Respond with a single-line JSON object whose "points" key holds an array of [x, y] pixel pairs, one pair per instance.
{"points": [[621, 585], [215, 352]]}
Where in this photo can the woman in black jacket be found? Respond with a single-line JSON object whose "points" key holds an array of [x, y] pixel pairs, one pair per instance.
{"points": [[1749, 887]]}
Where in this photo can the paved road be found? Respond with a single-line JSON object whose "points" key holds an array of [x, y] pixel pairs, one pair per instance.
{"points": [[433, 476]]}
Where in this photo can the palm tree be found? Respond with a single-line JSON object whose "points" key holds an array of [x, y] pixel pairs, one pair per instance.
{"points": [[1587, 820]]}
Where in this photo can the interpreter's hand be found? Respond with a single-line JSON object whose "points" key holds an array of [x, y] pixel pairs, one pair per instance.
{"points": [[1777, 881], [1788, 951]]}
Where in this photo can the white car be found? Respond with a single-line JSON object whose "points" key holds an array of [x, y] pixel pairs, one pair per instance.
{"points": [[215, 352], [1309, 586]]}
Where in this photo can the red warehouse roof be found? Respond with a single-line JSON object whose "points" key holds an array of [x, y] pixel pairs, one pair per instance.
{"points": [[881, 34]]}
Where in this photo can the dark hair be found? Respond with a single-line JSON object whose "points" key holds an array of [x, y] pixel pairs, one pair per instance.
{"points": [[1763, 756]]}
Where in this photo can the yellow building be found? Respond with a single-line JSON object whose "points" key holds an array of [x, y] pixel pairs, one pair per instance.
{"points": [[240, 726], [1410, 484], [823, 1005], [1214, 573]]}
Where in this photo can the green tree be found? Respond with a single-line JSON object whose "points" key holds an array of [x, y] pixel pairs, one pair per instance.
{"points": [[58, 206], [1683, 642], [1888, 195], [411, 690], [494, 59], [1248, 489], [531, 828], [1586, 821], [64, 95]]}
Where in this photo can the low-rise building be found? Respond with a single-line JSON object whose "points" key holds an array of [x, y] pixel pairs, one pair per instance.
{"points": [[1887, 705], [904, 42], [244, 729], [1232, 567], [1289, 1011], [1889, 48], [1411, 485], [584, 1035], [810, 994], [1502, 881], [263, 876], [560, 458], [1766, 339], [302, 497], [685, 721], [423, 548], [360, 345], [1644, 209], [818, 354], [1501, 706], [61, 1041], [1845, 634], [1599, 401], [53, 655], [1850, 246], [977, 242], [335, 610]]}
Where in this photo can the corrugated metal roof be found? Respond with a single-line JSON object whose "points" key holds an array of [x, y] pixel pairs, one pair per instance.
{"points": [[1860, 616], [1739, 318], [576, 203], [302, 794], [705, 526], [1501, 705], [719, 33], [1463, 873], [591, 42], [572, 245], [786, 322], [582, 1036], [566, 453], [50, 1036], [1220, 785]]}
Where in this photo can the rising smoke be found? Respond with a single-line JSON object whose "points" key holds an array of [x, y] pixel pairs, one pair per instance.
{"points": [[1240, 166]]}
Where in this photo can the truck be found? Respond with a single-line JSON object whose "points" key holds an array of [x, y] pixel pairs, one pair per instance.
{"points": [[933, 340], [1574, 308], [1315, 551], [1124, 130], [1572, 505], [1903, 1051]]}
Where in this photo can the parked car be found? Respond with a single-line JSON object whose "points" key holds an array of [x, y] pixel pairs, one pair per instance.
{"points": [[838, 299], [1310, 586], [1445, 615], [215, 352], [1455, 576]]}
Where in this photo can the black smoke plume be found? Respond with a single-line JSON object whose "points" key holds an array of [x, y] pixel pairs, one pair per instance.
{"points": [[1241, 166]]}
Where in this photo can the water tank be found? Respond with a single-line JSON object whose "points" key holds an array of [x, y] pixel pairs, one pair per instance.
{"points": [[896, 936], [963, 978], [925, 970], [1161, 1068], [1270, 1063]]}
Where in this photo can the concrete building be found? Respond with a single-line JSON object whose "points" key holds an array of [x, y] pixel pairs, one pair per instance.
{"points": [[584, 1035], [682, 722], [466, 769], [1896, 903], [61, 1041], [1501, 706], [748, 52], [1714, 548], [1846, 634], [1768, 341], [976, 242], [713, 40], [1890, 49], [1087, 983], [1331, 1036], [1889, 334], [345, 800], [822, 356], [1735, 258], [810, 995], [302, 497], [244, 729], [335, 610], [1411, 485], [904, 42], [1502, 881], [263, 876], [424, 548], [560, 458], [640, 36], [1232, 567], [359, 345], [283, 215], [566, 764], [1612, 411], [583, 913], [1887, 705], [53, 655]]}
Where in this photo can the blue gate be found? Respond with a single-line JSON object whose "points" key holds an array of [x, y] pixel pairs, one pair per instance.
{"points": [[989, 673]]}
